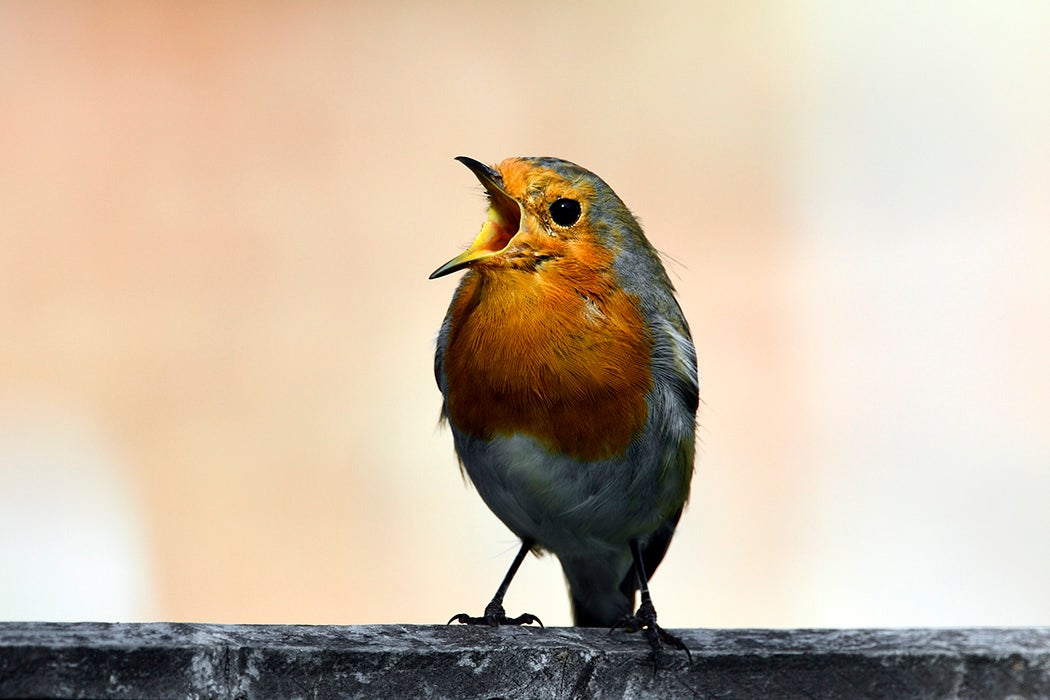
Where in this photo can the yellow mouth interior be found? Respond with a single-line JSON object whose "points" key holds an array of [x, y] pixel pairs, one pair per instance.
{"points": [[502, 224]]}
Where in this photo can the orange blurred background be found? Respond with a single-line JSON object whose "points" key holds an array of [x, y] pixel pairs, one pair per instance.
{"points": [[216, 225]]}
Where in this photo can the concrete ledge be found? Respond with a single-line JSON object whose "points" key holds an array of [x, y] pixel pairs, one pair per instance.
{"points": [[241, 662]]}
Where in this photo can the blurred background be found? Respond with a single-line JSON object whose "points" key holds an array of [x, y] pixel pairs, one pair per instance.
{"points": [[216, 226]]}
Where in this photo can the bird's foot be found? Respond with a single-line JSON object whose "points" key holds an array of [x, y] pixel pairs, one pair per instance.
{"points": [[494, 617], [645, 621]]}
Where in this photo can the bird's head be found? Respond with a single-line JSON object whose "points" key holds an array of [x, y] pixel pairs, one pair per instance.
{"points": [[542, 211]]}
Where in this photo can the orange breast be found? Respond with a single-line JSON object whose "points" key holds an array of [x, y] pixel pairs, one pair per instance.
{"points": [[562, 356]]}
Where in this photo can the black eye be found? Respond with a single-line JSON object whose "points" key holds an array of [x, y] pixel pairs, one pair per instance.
{"points": [[565, 212]]}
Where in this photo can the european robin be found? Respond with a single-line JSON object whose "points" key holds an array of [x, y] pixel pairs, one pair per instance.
{"points": [[570, 385]]}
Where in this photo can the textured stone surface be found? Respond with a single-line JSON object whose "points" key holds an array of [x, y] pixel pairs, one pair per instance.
{"points": [[161, 660]]}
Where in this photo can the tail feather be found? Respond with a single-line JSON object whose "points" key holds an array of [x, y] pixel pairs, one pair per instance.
{"points": [[652, 554], [591, 608], [612, 609]]}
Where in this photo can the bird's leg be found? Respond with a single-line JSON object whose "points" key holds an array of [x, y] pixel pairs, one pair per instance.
{"points": [[494, 614], [645, 619]]}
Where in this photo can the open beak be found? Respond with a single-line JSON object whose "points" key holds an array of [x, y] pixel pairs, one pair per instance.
{"points": [[503, 222]]}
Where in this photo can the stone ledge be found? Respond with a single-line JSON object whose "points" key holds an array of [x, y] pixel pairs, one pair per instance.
{"points": [[242, 662]]}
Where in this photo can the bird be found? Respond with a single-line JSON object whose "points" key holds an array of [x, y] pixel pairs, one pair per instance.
{"points": [[569, 380]]}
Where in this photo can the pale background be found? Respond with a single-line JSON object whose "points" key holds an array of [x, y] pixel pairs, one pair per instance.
{"points": [[216, 226]]}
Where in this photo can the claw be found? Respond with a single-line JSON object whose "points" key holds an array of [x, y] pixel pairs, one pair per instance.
{"points": [[465, 619], [645, 621], [523, 619], [494, 617]]}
